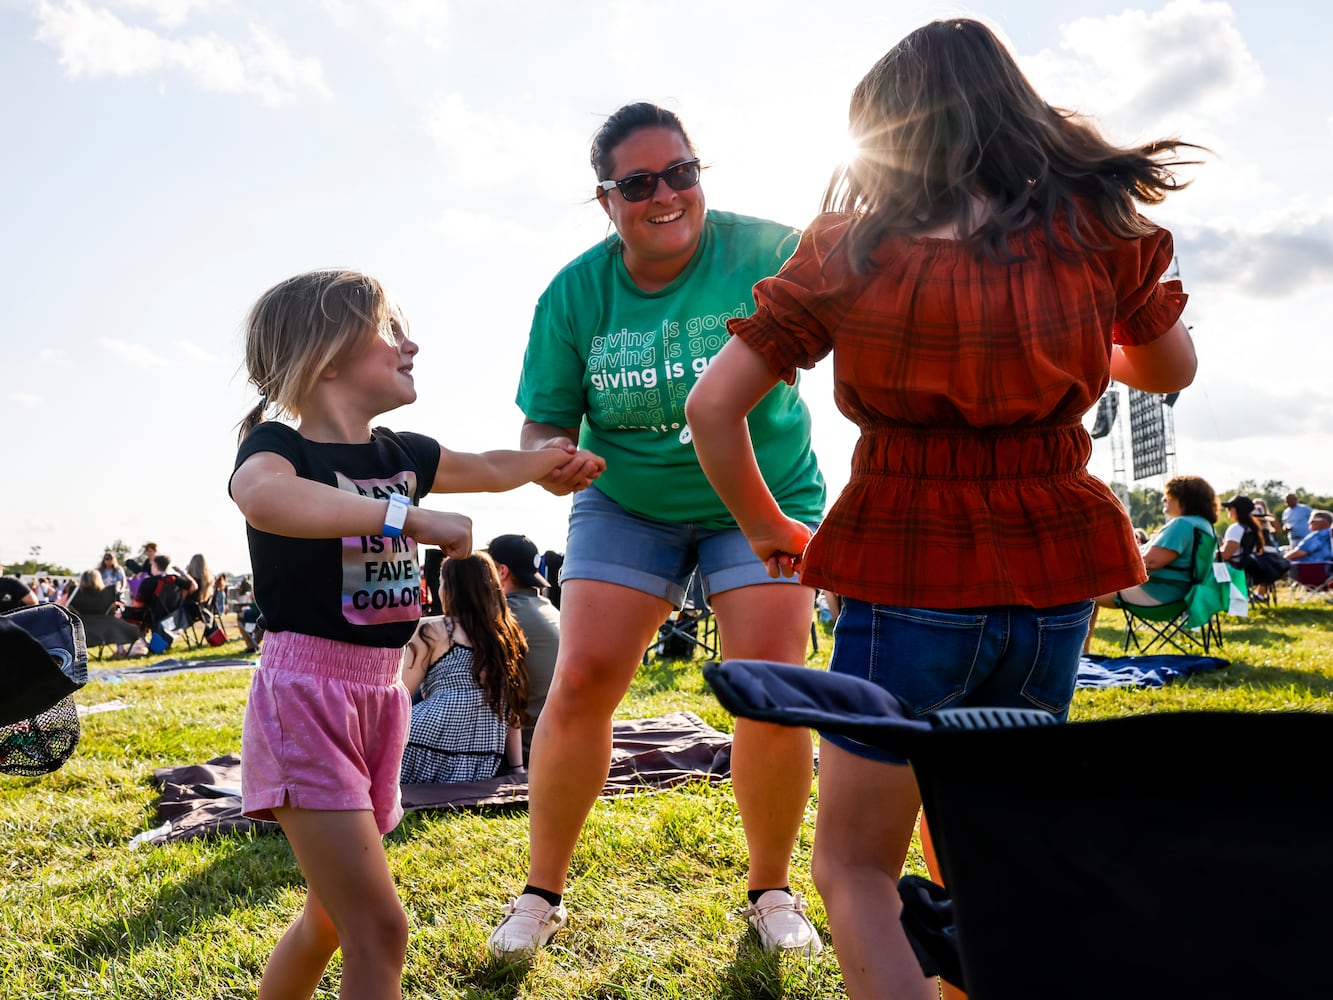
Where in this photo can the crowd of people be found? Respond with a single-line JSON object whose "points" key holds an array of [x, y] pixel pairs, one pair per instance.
{"points": [[123, 605], [980, 272]]}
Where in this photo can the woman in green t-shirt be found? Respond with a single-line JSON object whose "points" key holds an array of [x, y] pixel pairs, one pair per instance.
{"points": [[618, 340], [1189, 504]]}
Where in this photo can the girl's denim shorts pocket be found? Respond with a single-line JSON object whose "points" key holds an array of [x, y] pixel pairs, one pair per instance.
{"points": [[924, 657], [1060, 636]]}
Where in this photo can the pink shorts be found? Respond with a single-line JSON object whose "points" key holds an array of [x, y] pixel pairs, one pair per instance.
{"points": [[325, 727]]}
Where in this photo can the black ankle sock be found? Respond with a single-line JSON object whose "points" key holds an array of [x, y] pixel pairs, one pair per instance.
{"points": [[551, 897], [754, 894]]}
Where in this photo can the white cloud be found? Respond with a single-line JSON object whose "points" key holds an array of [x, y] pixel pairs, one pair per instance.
{"points": [[339, 11], [137, 355], [25, 399], [427, 21], [173, 13], [1270, 258], [177, 354], [194, 354], [93, 42], [1184, 63], [506, 151]]}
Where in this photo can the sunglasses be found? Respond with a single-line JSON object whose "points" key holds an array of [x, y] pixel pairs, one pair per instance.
{"points": [[640, 187]]}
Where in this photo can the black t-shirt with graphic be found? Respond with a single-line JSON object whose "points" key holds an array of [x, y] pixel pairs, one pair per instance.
{"points": [[363, 589]]}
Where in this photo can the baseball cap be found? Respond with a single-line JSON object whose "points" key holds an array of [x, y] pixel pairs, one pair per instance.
{"points": [[1242, 503], [519, 553]]}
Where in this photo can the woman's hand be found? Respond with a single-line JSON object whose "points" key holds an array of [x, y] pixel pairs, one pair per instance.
{"points": [[780, 545], [571, 476], [581, 470]]}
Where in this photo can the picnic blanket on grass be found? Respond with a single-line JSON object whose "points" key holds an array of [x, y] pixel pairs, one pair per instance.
{"points": [[647, 755], [1151, 670], [170, 666]]}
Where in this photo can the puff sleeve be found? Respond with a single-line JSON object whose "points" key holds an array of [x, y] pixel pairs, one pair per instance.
{"points": [[798, 308], [1147, 306]]}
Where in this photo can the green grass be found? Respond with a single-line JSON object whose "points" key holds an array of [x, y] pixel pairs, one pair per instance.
{"points": [[655, 891]]}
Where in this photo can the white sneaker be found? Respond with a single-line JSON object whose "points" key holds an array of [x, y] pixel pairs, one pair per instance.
{"points": [[780, 919], [528, 924]]}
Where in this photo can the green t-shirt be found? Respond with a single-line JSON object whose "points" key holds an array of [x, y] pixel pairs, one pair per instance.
{"points": [[617, 362], [1172, 581]]}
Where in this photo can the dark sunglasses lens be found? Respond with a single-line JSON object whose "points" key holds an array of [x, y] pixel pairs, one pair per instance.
{"points": [[682, 176], [637, 187]]}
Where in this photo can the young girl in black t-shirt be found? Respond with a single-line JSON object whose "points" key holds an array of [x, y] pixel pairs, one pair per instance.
{"points": [[333, 531]]}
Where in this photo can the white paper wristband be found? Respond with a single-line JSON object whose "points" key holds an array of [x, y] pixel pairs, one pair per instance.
{"points": [[396, 516]]}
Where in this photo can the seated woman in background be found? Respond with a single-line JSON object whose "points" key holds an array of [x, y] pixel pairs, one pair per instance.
{"points": [[1189, 503], [201, 598], [1266, 523], [469, 667], [1245, 546], [112, 575], [95, 605]]}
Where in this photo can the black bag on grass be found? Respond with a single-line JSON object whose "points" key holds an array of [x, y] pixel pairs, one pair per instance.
{"points": [[43, 660]]}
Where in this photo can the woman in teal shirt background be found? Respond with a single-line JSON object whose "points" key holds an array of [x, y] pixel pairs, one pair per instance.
{"points": [[1189, 504]]}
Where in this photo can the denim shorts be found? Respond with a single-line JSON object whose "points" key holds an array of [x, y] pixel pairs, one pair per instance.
{"points": [[1001, 657], [609, 544]]}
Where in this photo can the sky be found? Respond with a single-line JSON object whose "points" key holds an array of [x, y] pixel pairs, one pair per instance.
{"points": [[169, 160]]}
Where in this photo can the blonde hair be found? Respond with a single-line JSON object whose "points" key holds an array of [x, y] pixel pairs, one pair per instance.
{"points": [[198, 570], [301, 326]]}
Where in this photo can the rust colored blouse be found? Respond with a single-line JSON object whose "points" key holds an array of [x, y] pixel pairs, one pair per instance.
{"points": [[968, 380]]}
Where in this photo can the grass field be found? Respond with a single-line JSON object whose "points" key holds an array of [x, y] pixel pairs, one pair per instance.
{"points": [[654, 896]]}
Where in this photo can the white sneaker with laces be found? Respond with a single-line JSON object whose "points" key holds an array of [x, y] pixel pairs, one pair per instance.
{"points": [[780, 919], [528, 924]]}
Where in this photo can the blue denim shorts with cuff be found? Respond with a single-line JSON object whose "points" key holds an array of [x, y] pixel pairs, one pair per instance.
{"points": [[609, 544]]}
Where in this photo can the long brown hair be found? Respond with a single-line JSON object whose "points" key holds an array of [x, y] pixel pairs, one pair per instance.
{"points": [[945, 116], [471, 594]]}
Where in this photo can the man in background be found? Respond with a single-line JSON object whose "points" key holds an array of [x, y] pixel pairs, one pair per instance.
{"points": [[14, 593], [1296, 519], [1316, 546], [517, 560]]}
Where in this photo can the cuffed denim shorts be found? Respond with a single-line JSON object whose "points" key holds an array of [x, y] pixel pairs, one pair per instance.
{"points": [[609, 544], [1000, 657]]}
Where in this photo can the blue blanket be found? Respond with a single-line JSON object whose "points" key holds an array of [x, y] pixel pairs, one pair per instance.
{"points": [[1141, 671]]}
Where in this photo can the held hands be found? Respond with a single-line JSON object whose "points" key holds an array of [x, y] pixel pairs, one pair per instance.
{"points": [[780, 545], [579, 468], [451, 532]]}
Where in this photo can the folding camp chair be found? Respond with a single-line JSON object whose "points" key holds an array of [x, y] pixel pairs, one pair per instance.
{"points": [[158, 614], [43, 660], [102, 627], [193, 621], [1131, 857], [692, 627], [1190, 623], [1312, 579]]}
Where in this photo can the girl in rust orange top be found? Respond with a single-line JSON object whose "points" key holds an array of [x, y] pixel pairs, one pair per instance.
{"points": [[980, 273]]}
